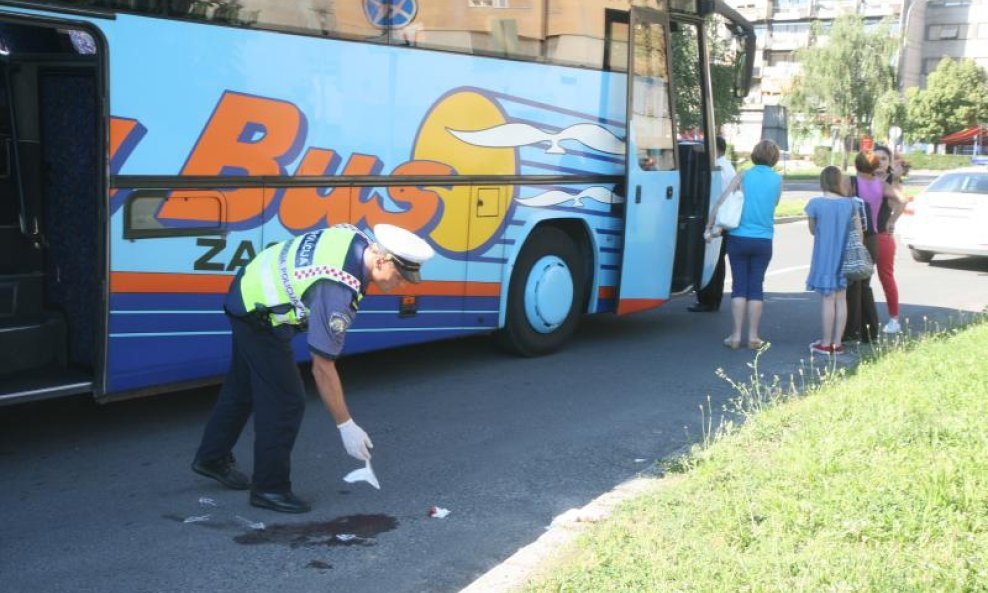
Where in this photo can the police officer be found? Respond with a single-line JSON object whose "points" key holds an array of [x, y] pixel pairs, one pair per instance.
{"points": [[312, 282]]}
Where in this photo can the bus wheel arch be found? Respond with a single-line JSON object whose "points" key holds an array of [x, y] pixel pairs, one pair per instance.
{"points": [[548, 290]]}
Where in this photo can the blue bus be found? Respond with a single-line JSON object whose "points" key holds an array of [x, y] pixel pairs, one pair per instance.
{"points": [[151, 148]]}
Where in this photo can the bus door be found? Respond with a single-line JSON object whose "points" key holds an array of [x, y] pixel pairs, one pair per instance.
{"points": [[652, 182], [51, 208], [696, 150]]}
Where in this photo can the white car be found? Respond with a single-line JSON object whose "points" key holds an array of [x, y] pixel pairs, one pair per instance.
{"points": [[949, 216]]}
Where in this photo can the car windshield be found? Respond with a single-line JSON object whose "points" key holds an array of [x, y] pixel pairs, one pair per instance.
{"points": [[968, 183]]}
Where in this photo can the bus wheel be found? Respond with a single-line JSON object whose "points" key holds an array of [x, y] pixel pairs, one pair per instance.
{"points": [[546, 294]]}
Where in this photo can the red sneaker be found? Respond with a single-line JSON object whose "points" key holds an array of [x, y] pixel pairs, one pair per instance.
{"points": [[818, 348], [837, 348]]}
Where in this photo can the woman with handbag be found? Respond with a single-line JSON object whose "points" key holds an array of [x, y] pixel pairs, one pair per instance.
{"points": [[749, 244], [830, 218], [862, 314]]}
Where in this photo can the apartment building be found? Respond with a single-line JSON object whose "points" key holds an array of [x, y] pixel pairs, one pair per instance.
{"points": [[928, 31], [933, 29], [782, 27]]}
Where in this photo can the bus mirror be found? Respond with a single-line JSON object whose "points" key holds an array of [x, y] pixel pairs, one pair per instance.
{"points": [[744, 66], [745, 41], [740, 85]]}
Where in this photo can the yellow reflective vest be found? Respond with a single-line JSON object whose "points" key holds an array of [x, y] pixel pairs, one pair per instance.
{"points": [[275, 282]]}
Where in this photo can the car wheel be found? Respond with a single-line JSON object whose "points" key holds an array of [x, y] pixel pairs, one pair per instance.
{"points": [[546, 294], [921, 256]]}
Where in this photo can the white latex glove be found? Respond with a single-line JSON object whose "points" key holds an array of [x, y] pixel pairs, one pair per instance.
{"points": [[355, 440]]}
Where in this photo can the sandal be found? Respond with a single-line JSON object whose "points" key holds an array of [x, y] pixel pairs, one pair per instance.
{"points": [[756, 344], [732, 344]]}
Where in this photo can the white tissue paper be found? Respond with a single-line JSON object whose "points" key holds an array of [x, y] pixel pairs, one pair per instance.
{"points": [[438, 512], [363, 474]]}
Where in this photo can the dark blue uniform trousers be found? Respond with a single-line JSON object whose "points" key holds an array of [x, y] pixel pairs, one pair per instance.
{"points": [[265, 379]]}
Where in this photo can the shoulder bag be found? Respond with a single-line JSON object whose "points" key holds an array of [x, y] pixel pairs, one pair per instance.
{"points": [[857, 263], [729, 214]]}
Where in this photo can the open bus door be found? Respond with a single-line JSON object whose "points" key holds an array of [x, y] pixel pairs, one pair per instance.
{"points": [[652, 181], [52, 216]]}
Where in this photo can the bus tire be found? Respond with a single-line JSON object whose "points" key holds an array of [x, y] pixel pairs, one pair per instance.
{"points": [[546, 295]]}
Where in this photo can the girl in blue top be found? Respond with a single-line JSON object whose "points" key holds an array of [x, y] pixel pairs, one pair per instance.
{"points": [[749, 246], [830, 217]]}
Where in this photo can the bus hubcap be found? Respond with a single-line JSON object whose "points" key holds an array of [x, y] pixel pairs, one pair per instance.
{"points": [[548, 294]]}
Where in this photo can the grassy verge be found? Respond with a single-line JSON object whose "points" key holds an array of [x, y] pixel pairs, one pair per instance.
{"points": [[788, 208], [803, 175], [875, 482], [795, 207]]}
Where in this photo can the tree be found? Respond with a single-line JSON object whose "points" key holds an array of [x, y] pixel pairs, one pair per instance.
{"points": [[955, 98], [890, 111], [843, 77]]}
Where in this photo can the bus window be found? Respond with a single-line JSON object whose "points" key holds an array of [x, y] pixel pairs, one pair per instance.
{"points": [[616, 41], [202, 213], [653, 119], [356, 20], [145, 6], [689, 106], [486, 27], [576, 32]]}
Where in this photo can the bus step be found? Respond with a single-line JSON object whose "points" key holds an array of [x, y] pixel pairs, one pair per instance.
{"points": [[32, 345], [44, 383], [21, 298]]}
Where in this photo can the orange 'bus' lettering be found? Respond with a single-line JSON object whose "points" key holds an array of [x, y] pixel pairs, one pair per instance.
{"points": [[307, 207], [245, 136], [125, 133], [421, 205]]}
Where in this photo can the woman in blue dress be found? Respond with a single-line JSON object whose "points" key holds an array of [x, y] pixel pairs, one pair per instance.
{"points": [[830, 218]]}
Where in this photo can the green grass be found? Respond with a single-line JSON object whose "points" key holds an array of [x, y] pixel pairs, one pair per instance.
{"points": [[792, 207], [803, 175], [875, 482]]}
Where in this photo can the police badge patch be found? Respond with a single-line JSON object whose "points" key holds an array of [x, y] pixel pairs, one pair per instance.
{"points": [[338, 324]]}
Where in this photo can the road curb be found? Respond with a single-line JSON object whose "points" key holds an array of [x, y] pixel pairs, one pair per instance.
{"points": [[530, 561]]}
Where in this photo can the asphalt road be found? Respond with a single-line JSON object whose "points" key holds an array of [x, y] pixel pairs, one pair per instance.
{"points": [[95, 498]]}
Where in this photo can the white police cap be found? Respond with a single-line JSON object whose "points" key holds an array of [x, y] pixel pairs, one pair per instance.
{"points": [[408, 250]]}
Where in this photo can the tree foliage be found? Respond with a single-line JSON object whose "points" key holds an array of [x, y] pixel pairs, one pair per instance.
{"points": [[955, 98], [890, 111], [842, 77], [687, 75]]}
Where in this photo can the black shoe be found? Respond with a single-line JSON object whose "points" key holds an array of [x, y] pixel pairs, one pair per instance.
{"points": [[223, 470], [701, 308], [283, 502]]}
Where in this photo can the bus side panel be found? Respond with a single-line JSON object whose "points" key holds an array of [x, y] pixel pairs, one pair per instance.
{"points": [[225, 101]]}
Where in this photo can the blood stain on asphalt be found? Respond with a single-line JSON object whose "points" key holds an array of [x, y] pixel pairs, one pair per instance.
{"points": [[338, 532]]}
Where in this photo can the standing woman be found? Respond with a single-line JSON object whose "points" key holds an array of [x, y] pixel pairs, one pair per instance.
{"points": [[749, 246], [888, 213], [862, 316]]}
